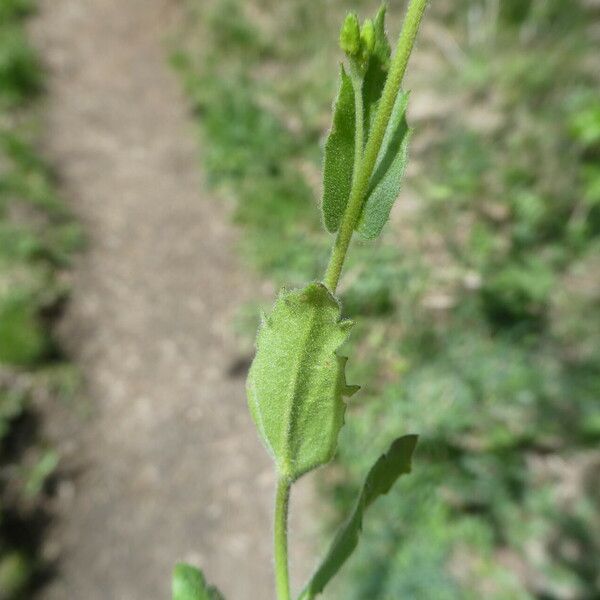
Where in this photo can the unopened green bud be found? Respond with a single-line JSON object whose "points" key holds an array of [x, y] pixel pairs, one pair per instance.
{"points": [[350, 36], [367, 38]]}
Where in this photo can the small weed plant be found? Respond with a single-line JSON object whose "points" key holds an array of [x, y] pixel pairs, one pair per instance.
{"points": [[296, 385], [476, 321]]}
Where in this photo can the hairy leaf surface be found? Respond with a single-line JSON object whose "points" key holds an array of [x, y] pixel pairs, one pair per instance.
{"points": [[189, 584], [388, 174], [376, 72], [382, 476], [296, 382], [339, 156]]}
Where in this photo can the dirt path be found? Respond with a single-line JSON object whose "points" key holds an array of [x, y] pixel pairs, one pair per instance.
{"points": [[169, 466]]}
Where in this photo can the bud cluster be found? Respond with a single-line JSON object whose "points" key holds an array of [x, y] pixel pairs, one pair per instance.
{"points": [[357, 42]]}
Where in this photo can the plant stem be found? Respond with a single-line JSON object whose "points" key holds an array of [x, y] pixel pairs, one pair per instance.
{"points": [[282, 578], [361, 180], [359, 125]]}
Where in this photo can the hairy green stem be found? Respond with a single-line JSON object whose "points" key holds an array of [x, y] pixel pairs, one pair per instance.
{"points": [[359, 144], [360, 183], [282, 578]]}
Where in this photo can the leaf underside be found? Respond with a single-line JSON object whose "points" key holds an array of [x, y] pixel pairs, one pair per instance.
{"points": [[297, 382], [189, 584], [382, 476], [388, 174], [339, 156]]}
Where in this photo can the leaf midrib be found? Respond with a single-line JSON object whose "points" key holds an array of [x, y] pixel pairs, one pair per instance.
{"points": [[303, 358]]}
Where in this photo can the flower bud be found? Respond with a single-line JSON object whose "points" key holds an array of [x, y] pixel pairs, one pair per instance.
{"points": [[367, 38], [350, 36]]}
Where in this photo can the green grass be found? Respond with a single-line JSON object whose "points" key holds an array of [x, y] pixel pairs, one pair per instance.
{"points": [[19, 69], [483, 306], [38, 237]]}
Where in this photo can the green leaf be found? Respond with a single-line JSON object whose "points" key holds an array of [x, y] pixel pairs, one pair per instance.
{"points": [[339, 156], [382, 476], [296, 382], [377, 68], [388, 174], [189, 584], [382, 49]]}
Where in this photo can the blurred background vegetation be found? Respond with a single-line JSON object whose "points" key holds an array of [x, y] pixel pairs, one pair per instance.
{"points": [[478, 312], [37, 239]]}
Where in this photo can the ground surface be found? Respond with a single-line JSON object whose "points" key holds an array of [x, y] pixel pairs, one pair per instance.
{"points": [[168, 466]]}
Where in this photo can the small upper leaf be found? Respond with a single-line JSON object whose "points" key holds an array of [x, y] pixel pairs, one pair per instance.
{"points": [[189, 584], [339, 156], [389, 170], [382, 476], [382, 49], [377, 68], [296, 382]]}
